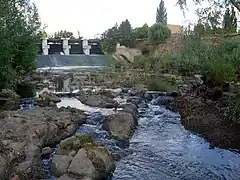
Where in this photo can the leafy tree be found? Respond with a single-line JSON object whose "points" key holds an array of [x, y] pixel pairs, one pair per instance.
{"points": [[109, 39], [19, 29], [216, 3], [199, 29], [125, 35], [63, 34], [141, 32], [161, 15], [230, 20], [158, 33]]}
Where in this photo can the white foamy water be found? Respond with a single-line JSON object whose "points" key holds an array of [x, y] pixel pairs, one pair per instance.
{"points": [[74, 103]]}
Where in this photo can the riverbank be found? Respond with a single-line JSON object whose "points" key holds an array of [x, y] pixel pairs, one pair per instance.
{"points": [[217, 120], [30, 135]]}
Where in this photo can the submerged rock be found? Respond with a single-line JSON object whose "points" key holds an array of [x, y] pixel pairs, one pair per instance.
{"points": [[9, 100]]}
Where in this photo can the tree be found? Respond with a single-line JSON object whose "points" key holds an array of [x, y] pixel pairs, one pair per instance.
{"points": [[158, 33], [141, 32], [199, 29], [161, 16], [19, 29], [63, 34], [125, 35], [217, 3], [109, 39]]}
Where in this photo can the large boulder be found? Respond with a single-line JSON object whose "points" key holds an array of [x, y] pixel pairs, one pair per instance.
{"points": [[23, 133], [121, 125], [92, 162], [9, 100]]}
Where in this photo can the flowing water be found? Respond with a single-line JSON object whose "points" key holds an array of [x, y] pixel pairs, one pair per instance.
{"points": [[161, 148]]}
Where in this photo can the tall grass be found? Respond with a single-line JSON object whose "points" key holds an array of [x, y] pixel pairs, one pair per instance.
{"points": [[217, 63]]}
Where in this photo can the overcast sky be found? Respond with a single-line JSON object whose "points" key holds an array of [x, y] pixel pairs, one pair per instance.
{"points": [[95, 16]]}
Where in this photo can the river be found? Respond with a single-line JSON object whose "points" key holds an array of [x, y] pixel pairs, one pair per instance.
{"points": [[162, 149]]}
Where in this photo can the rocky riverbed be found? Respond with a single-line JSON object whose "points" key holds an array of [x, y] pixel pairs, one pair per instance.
{"points": [[84, 139]]}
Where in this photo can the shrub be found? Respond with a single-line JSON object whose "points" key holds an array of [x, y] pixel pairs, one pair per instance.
{"points": [[18, 33], [158, 33]]}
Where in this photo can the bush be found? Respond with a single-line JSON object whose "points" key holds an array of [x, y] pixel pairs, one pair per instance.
{"points": [[158, 33], [216, 63], [18, 33]]}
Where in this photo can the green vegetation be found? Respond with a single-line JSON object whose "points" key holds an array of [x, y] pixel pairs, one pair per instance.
{"points": [[141, 32], [158, 33], [161, 15], [19, 30], [216, 63]]}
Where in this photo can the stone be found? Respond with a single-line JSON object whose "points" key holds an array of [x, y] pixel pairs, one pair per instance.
{"points": [[131, 108], [93, 162], [47, 99], [81, 165], [46, 151], [98, 101], [25, 132], [9, 100], [65, 177], [61, 164], [162, 101], [120, 125], [16, 177]]}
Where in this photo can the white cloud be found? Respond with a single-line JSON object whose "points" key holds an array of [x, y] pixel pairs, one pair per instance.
{"points": [[94, 16]]}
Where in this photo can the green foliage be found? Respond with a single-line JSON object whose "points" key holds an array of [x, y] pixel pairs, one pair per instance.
{"points": [[230, 20], [159, 83], [141, 32], [199, 29], [158, 33], [63, 34], [110, 39], [19, 33], [122, 34], [161, 15], [125, 35]]}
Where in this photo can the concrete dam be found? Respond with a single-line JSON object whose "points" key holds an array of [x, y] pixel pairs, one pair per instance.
{"points": [[70, 52]]}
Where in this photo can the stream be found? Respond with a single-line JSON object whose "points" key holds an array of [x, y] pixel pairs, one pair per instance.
{"points": [[161, 148]]}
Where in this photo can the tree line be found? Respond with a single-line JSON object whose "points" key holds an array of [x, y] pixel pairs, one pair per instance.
{"points": [[126, 35]]}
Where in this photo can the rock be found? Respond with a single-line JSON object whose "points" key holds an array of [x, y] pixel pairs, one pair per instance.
{"points": [[172, 94], [98, 101], [60, 164], [16, 177], [9, 100], [65, 177], [162, 101], [107, 93], [47, 99], [135, 100], [131, 108], [74, 143], [46, 151], [120, 125], [25, 132], [92, 162]]}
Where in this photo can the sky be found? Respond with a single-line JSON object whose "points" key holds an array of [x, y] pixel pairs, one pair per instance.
{"points": [[92, 17]]}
